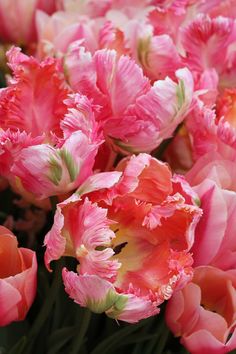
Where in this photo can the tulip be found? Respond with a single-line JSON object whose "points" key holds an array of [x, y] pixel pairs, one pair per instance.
{"points": [[130, 230], [136, 117], [213, 179], [204, 312], [18, 278]]}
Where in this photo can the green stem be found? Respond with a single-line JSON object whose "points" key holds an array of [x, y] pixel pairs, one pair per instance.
{"points": [[152, 343], [82, 329], [110, 342], [163, 339], [47, 306]]}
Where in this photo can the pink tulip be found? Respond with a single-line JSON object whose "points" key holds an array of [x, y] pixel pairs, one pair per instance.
{"points": [[209, 43], [45, 171], [49, 138], [117, 225], [212, 131], [135, 116], [213, 179], [204, 312], [18, 278], [36, 90], [156, 54]]}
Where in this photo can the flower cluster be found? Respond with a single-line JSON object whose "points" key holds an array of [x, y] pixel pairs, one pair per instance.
{"points": [[122, 115]]}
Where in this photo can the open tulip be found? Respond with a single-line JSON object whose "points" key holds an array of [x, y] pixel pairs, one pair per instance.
{"points": [[18, 278], [204, 312], [130, 230], [213, 179]]}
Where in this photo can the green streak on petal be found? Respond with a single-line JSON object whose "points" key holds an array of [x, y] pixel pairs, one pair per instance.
{"points": [[121, 302], [105, 304], [70, 165], [125, 148], [197, 201], [180, 92], [142, 50], [55, 171], [117, 307]]}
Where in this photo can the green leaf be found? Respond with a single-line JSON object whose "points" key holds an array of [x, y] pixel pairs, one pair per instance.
{"points": [[59, 338], [19, 346], [112, 341]]}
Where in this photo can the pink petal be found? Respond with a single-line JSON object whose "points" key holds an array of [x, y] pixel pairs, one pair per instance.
{"points": [[206, 41], [88, 227], [122, 92], [203, 342], [9, 299], [54, 241], [89, 291], [25, 282], [37, 91], [135, 309]]}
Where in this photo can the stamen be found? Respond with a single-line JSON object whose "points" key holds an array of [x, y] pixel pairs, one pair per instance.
{"points": [[117, 249]]}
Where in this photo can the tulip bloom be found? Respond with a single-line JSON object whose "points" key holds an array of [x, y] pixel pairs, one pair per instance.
{"points": [[213, 179], [135, 116], [17, 19], [208, 43], [18, 278], [57, 32], [204, 312], [41, 156], [130, 230]]}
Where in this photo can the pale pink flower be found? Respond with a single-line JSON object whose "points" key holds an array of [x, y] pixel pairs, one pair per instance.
{"points": [[18, 278], [58, 31], [17, 19], [117, 225], [204, 312]]}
